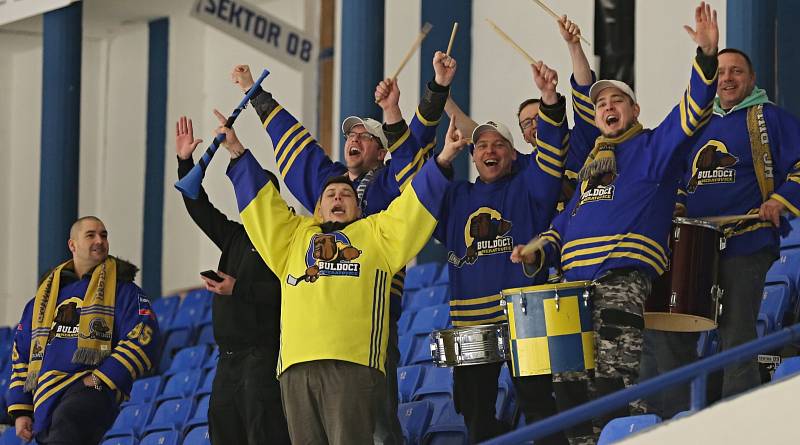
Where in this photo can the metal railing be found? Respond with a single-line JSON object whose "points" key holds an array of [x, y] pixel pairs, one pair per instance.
{"points": [[696, 372]]}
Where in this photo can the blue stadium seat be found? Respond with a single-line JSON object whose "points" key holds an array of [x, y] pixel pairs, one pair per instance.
{"points": [[182, 384], [120, 440], [429, 319], [208, 382], [414, 419], [420, 351], [161, 438], [682, 414], [409, 378], [192, 357], [145, 390], [165, 309], [774, 305], [506, 404], [9, 437], [213, 357], [435, 382], [197, 436], [622, 427], [206, 334], [130, 420], [428, 296], [789, 366], [176, 340], [200, 416], [171, 415], [6, 334], [193, 310], [406, 318], [421, 275], [446, 427], [406, 345], [793, 239], [444, 277], [786, 268]]}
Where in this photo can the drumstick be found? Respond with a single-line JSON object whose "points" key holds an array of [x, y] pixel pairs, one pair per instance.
{"points": [[511, 42], [533, 246], [452, 38], [556, 16], [426, 28], [730, 218]]}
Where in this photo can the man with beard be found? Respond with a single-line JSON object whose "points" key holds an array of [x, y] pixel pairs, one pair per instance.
{"points": [[614, 230]]}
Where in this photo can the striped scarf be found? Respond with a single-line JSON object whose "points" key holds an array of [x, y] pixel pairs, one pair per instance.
{"points": [[362, 189], [96, 321], [602, 160]]}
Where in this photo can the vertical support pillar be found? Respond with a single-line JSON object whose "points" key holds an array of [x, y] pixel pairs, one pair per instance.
{"points": [[362, 59], [153, 224], [60, 134]]}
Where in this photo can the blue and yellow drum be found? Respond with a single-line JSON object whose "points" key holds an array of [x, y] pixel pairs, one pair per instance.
{"points": [[550, 328]]}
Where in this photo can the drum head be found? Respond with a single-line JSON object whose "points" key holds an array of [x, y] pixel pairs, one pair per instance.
{"points": [[665, 321]]}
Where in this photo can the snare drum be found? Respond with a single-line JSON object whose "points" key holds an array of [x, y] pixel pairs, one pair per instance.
{"points": [[686, 297], [470, 345], [550, 328]]}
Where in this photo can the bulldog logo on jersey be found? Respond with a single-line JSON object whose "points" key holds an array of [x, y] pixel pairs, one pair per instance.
{"points": [[329, 254], [711, 166], [486, 233], [598, 188], [65, 323]]}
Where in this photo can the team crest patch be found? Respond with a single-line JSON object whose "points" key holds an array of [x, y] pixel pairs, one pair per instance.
{"points": [[711, 165], [599, 188], [328, 254], [99, 329], [65, 323], [486, 233]]}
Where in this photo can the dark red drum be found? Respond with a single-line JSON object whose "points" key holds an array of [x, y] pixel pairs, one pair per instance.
{"points": [[686, 298]]}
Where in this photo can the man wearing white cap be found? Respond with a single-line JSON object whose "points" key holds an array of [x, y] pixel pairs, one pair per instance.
{"points": [[305, 168], [513, 198], [614, 230]]}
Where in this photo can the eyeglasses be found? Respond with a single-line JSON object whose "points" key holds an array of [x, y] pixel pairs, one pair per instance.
{"points": [[525, 124], [363, 137]]}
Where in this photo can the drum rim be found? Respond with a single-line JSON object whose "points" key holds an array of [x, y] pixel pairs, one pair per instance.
{"points": [[477, 326], [547, 287], [696, 222]]}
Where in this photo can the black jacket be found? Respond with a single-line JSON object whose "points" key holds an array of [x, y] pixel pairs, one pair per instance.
{"points": [[251, 316]]}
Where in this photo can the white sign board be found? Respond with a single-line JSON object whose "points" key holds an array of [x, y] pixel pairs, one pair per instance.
{"points": [[13, 10], [260, 30]]}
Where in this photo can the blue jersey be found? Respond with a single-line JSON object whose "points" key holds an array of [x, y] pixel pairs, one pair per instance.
{"points": [[134, 341], [623, 220], [721, 177], [481, 222]]}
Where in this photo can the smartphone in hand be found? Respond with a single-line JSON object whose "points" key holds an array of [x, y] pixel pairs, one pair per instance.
{"points": [[211, 275]]}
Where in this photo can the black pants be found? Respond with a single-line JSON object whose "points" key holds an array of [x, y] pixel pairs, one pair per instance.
{"points": [[81, 417], [535, 399], [245, 406], [474, 396]]}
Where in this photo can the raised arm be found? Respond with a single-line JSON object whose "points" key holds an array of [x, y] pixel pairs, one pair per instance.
{"points": [[211, 221], [301, 161]]}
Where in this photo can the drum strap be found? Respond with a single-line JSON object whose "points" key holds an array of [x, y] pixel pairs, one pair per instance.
{"points": [[621, 318], [759, 146]]}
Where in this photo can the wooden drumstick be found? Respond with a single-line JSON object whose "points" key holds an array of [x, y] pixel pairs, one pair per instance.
{"points": [[452, 38], [533, 246], [556, 16], [511, 42], [426, 28], [730, 218]]}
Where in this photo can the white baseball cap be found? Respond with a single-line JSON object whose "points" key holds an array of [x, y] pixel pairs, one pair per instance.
{"points": [[372, 126], [492, 126], [601, 85]]}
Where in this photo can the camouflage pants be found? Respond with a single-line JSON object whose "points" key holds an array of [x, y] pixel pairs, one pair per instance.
{"points": [[618, 305]]}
